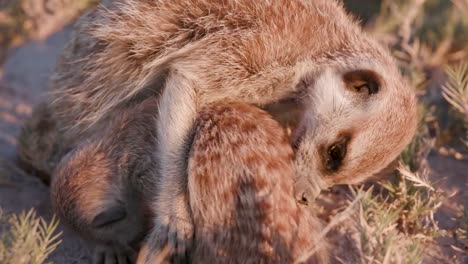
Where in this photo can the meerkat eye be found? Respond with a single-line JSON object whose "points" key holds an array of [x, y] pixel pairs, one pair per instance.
{"points": [[336, 154], [362, 82], [337, 151]]}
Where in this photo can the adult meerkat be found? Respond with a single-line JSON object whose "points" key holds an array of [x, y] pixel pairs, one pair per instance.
{"points": [[101, 187], [240, 185], [358, 112]]}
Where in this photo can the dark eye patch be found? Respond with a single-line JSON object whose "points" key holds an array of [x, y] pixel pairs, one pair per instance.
{"points": [[335, 154], [362, 81]]}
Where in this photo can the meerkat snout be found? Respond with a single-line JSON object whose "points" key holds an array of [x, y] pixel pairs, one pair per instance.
{"points": [[109, 217], [355, 122]]}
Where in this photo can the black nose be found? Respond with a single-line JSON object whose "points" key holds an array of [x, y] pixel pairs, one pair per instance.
{"points": [[306, 193], [302, 199]]}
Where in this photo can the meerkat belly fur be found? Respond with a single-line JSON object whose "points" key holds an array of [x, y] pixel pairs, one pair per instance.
{"points": [[240, 184], [358, 112]]}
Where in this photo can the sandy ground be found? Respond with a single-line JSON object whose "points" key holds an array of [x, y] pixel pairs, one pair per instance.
{"points": [[24, 83]]}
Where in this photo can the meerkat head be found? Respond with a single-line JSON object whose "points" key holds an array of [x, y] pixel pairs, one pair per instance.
{"points": [[358, 115], [92, 191], [100, 187]]}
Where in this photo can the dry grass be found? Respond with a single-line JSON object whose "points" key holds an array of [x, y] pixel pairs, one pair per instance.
{"points": [[380, 239], [27, 239], [455, 91]]}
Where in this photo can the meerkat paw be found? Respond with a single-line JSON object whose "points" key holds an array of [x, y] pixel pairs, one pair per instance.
{"points": [[174, 241], [170, 241], [180, 238], [113, 255]]}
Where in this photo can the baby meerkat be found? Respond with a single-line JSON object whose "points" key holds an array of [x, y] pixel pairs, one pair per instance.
{"points": [[358, 112], [40, 145], [100, 188], [240, 186]]}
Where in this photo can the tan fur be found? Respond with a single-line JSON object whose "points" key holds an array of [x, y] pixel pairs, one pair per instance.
{"points": [[240, 184], [199, 52]]}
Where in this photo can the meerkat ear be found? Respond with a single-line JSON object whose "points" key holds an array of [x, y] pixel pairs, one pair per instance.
{"points": [[109, 216], [364, 82], [153, 88]]}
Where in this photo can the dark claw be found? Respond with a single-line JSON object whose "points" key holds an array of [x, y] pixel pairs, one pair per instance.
{"points": [[104, 255]]}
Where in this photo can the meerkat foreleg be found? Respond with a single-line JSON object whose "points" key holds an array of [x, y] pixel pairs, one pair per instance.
{"points": [[173, 226]]}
